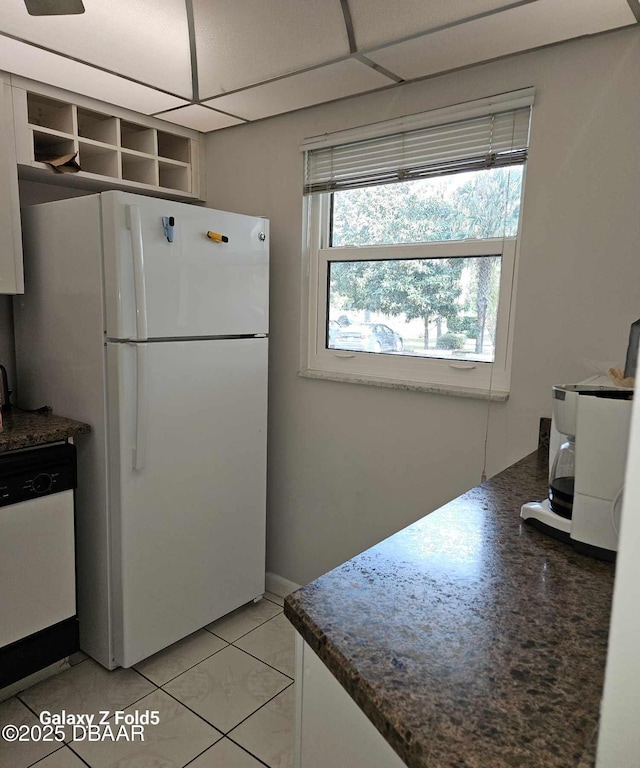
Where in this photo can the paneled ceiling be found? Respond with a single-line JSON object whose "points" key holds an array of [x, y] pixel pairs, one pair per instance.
{"points": [[211, 64]]}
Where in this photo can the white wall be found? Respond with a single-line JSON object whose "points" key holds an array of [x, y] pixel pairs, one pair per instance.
{"points": [[350, 464]]}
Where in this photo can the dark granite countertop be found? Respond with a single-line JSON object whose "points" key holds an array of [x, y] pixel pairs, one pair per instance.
{"points": [[470, 639], [23, 430]]}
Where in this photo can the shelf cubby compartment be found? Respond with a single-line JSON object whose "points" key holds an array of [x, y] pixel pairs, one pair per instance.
{"points": [[48, 145], [49, 113], [139, 168], [174, 176], [97, 126], [174, 147], [137, 137], [98, 159]]}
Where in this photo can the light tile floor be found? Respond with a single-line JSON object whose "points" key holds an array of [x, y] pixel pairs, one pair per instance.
{"points": [[224, 697]]}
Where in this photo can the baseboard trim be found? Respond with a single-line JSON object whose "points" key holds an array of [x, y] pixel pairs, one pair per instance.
{"points": [[278, 585]]}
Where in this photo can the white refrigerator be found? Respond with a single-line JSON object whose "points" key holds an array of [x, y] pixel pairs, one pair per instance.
{"points": [[139, 322]]}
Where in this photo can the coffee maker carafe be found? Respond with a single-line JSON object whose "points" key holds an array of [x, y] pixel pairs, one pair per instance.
{"points": [[587, 472], [562, 479]]}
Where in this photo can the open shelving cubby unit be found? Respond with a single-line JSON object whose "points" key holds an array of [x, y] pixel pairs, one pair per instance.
{"points": [[111, 149], [174, 161]]}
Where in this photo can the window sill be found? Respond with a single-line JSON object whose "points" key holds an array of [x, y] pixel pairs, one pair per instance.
{"points": [[498, 396]]}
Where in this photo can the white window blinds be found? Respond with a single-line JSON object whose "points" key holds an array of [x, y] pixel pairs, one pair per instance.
{"points": [[496, 139]]}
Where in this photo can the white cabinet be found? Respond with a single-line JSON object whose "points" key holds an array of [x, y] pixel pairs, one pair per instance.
{"points": [[115, 148], [11, 278], [331, 730]]}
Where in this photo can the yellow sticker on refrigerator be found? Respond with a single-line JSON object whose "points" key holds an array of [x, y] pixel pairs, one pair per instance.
{"points": [[217, 237]]}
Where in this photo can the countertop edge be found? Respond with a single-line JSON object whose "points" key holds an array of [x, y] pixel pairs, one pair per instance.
{"points": [[354, 685], [22, 429]]}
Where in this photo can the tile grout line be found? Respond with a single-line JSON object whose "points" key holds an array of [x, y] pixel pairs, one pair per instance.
{"points": [[53, 677], [229, 645], [184, 704], [34, 713], [157, 688], [244, 749], [274, 602], [24, 703], [290, 682], [78, 755], [224, 733], [80, 758], [257, 658], [69, 743], [204, 719], [137, 701], [286, 688], [40, 759], [64, 744], [250, 630], [211, 746], [175, 677]]}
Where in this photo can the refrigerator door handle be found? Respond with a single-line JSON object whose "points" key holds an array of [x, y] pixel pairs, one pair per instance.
{"points": [[137, 246], [140, 444]]}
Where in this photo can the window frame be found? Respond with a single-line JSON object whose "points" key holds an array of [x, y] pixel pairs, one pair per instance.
{"points": [[444, 376]]}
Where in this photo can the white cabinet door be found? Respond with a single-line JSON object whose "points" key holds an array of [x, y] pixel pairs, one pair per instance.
{"points": [[331, 730], [11, 277]]}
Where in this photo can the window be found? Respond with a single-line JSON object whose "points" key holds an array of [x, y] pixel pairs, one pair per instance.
{"points": [[411, 247]]}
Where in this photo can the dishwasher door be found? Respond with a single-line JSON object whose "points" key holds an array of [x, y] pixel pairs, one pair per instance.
{"points": [[37, 555], [37, 565]]}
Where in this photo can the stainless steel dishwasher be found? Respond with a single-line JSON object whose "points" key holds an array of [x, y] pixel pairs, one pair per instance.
{"points": [[38, 623]]}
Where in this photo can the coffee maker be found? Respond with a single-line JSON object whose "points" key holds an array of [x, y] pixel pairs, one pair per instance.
{"points": [[586, 473]]}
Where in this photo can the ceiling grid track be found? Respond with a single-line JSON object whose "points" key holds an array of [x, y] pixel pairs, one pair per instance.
{"points": [[348, 22], [452, 24], [635, 8], [277, 78], [195, 87], [353, 48], [379, 68], [204, 106], [100, 68]]}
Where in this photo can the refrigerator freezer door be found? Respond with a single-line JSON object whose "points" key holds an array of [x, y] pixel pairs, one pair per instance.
{"points": [[189, 524], [191, 287]]}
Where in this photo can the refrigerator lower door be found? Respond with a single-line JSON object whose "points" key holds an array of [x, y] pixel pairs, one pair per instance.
{"points": [[187, 443]]}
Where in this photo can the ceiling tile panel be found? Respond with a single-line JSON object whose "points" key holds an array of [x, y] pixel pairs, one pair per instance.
{"points": [[243, 43], [144, 39], [199, 118], [25, 60], [315, 86], [374, 25], [522, 28]]}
